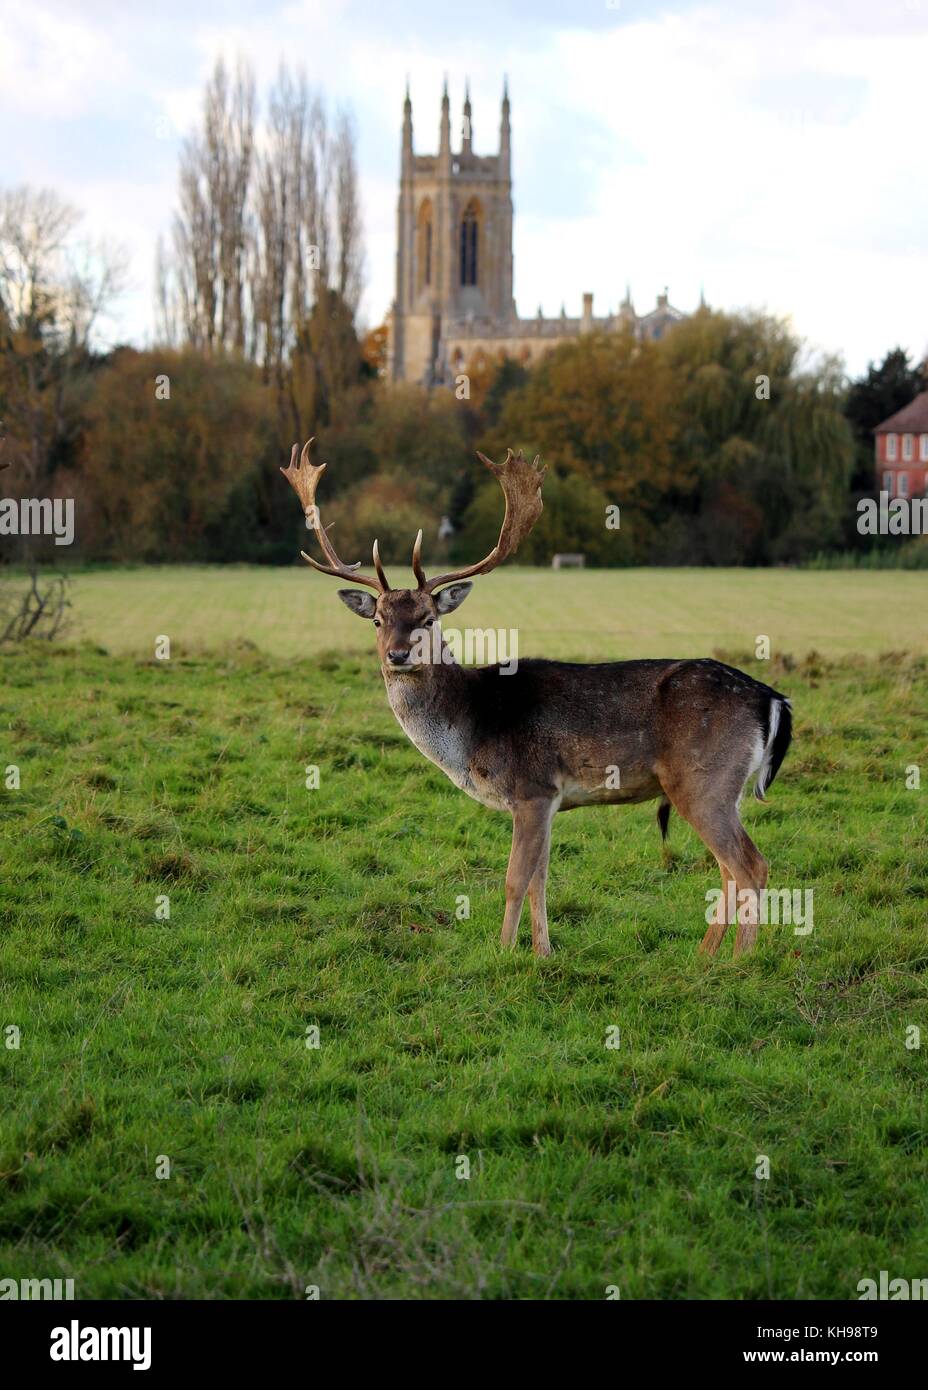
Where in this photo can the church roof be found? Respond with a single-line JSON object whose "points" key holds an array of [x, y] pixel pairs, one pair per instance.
{"points": [[911, 419], [663, 311]]}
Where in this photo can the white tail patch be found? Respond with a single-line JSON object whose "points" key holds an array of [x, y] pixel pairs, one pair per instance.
{"points": [[763, 774]]}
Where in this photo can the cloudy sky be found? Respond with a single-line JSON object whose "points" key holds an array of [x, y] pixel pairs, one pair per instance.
{"points": [[771, 152]]}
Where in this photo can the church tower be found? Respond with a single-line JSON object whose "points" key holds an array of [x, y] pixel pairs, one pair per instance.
{"points": [[454, 244]]}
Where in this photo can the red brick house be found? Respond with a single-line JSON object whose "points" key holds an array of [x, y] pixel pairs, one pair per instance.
{"points": [[902, 450]]}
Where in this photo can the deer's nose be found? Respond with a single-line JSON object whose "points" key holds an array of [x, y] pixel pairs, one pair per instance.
{"points": [[398, 656]]}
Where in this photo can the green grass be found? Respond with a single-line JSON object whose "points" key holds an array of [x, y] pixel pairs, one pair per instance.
{"points": [[583, 615], [336, 907]]}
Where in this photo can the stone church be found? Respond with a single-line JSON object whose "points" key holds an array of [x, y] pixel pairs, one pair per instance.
{"points": [[454, 264]]}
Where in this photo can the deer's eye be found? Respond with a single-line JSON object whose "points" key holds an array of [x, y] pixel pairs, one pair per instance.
{"points": [[428, 622], [377, 622]]}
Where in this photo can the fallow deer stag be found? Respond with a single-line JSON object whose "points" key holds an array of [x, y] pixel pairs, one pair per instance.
{"points": [[552, 736]]}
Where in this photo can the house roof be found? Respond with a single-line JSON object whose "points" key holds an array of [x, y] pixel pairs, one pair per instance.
{"points": [[911, 419]]}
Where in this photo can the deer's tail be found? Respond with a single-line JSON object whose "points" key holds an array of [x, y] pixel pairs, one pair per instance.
{"points": [[778, 739]]}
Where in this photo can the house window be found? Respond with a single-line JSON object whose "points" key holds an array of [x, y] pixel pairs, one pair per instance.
{"points": [[924, 448], [903, 484], [906, 446], [888, 484], [470, 228], [890, 446]]}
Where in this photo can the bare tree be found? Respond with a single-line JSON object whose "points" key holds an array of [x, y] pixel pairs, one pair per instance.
{"points": [[278, 264], [35, 225], [53, 290], [348, 214], [316, 225], [211, 226], [166, 303], [236, 157], [264, 227]]}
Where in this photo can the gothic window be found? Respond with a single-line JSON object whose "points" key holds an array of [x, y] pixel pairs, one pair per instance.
{"points": [[424, 245], [470, 230]]}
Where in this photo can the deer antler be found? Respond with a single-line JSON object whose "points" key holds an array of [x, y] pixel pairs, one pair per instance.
{"points": [[303, 477], [521, 484]]}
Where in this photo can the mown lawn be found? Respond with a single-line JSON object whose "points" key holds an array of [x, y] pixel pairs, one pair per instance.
{"points": [[290, 908], [583, 615]]}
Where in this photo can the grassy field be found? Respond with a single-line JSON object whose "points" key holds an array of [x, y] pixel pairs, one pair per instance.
{"points": [[144, 1038], [583, 615]]}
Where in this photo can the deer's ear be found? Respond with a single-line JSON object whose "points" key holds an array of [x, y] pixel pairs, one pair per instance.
{"points": [[451, 598], [365, 605]]}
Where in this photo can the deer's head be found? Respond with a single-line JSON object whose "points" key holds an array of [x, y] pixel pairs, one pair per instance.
{"points": [[401, 616]]}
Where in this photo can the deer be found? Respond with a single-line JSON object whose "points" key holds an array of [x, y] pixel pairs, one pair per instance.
{"points": [[690, 733]]}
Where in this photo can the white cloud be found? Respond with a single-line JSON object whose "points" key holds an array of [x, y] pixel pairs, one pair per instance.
{"points": [[807, 202], [49, 59]]}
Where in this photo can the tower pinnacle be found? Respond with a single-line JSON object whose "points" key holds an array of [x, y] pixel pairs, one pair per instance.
{"points": [[466, 129], [406, 156], [444, 139], [504, 133]]}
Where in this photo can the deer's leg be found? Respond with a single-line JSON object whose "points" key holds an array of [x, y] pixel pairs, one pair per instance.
{"points": [[715, 820], [717, 929], [747, 866], [752, 872], [743, 862], [536, 899], [531, 829]]}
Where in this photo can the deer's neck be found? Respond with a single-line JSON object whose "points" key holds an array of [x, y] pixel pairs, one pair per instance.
{"points": [[433, 710]]}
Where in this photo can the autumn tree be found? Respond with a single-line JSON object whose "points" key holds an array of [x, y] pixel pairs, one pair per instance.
{"points": [[387, 505], [882, 390], [374, 350], [602, 407], [575, 516], [174, 455], [764, 436]]}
